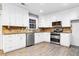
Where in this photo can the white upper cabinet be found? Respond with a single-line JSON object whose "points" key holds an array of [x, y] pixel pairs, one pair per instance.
{"points": [[45, 22], [5, 17], [14, 15], [41, 23], [66, 23], [21, 16], [25, 17]]}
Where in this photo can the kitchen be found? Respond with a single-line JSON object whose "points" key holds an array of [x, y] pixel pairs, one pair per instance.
{"points": [[20, 28]]}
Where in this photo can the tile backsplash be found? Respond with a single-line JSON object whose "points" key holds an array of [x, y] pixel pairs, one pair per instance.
{"points": [[13, 29]]}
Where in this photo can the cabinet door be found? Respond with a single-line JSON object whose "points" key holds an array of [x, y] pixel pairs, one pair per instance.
{"points": [[46, 37], [25, 19], [65, 39], [13, 42], [11, 11], [66, 23], [18, 16], [14, 15], [21, 41], [12, 20], [21, 16], [38, 38], [9, 42], [5, 18], [41, 22], [45, 23], [1, 42]]}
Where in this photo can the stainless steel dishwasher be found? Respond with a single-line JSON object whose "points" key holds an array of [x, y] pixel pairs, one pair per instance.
{"points": [[29, 39]]}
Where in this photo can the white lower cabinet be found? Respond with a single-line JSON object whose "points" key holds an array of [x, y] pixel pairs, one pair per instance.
{"points": [[37, 38], [1, 42], [21, 41], [42, 36], [8, 43], [65, 39], [13, 42]]}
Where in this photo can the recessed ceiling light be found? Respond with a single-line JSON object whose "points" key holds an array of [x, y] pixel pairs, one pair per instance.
{"points": [[65, 4], [42, 3], [41, 11], [23, 3]]}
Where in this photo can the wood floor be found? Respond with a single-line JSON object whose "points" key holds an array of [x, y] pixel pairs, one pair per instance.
{"points": [[45, 49]]}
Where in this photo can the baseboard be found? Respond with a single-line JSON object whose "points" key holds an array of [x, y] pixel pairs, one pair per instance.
{"points": [[45, 42], [14, 50], [74, 46], [23, 47]]}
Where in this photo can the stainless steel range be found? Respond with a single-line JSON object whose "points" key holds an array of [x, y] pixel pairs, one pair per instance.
{"points": [[55, 36]]}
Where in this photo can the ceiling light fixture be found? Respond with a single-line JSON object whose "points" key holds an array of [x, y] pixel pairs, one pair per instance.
{"points": [[42, 3], [65, 4], [23, 3], [41, 11]]}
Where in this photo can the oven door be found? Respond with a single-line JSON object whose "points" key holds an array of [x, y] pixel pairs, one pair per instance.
{"points": [[55, 38]]}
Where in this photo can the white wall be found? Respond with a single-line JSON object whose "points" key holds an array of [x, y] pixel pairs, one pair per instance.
{"points": [[65, 16]]}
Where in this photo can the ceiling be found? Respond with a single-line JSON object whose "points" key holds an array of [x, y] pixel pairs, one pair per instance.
{"points": [[46, 8]]}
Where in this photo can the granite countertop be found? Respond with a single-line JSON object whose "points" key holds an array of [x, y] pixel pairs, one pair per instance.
{"points": [[23, 33], [29, 32], [17, 33]]}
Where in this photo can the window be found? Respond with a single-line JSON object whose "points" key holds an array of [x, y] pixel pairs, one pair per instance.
{"points": [[32, 23]]}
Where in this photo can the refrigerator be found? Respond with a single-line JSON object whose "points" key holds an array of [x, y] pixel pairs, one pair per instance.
{"points": [[75, 32]]}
